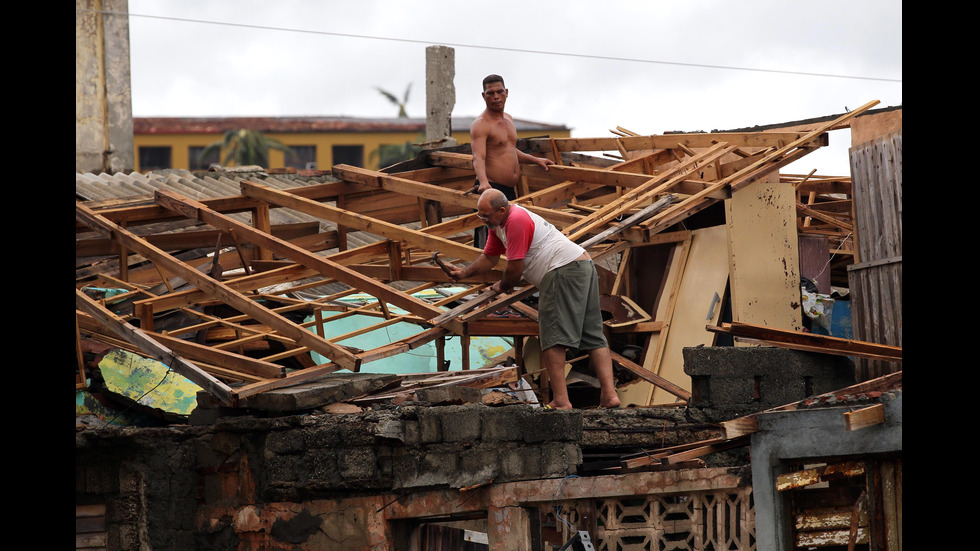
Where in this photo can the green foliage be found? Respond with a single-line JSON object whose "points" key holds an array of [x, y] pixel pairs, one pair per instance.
{"points": [[387, 155], [402, 113], [246, 147]]}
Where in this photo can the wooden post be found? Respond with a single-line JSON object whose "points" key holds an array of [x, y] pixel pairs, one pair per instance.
{"points": [[441, 354], [123, 259], [341, 229], [260, 221]]}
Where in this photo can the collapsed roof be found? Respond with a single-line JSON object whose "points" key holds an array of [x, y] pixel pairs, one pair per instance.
{"points": [[235, 291]]}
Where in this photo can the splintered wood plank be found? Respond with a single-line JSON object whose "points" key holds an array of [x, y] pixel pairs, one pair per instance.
{"points": [[864, 417], [229, 360], [806, 477], [449, 159], [404, 186], [705, 277], [665, 141], [810, 342], [637, 196]]}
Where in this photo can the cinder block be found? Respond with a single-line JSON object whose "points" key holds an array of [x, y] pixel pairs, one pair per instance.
{"points": [[504, 424], [357, 464], [560, 459], [460, 424], [762, 376], [553, 425], [430, 426], [285, 442]]}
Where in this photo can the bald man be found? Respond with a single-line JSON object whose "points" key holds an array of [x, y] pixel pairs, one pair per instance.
{"points": [[568, 304]]}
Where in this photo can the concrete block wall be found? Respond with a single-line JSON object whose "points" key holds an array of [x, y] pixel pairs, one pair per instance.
{"points": [[730, 381], [245, 462]]}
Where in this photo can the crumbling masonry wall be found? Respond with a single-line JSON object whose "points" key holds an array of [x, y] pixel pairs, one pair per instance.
{"points": [[243, 478]]}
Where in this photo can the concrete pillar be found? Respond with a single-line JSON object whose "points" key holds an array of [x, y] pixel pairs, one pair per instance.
{"points": [[440, 95], [103, 97]]}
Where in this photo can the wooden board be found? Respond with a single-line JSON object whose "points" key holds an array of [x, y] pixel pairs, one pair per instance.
{"points": [[639, 393], [705, 277], [764, 255]]}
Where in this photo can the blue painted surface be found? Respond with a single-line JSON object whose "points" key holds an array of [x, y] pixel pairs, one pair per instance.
{"points": [[840, 321], [420, 360]]}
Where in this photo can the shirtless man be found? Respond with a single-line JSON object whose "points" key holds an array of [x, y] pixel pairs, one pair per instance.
{"points": [[494, 143]]}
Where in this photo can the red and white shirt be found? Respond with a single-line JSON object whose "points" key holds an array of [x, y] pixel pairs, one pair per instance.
{"points": [[527, 236]]}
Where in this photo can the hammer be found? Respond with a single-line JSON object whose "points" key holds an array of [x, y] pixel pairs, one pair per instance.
{"points": [[441, 264]]}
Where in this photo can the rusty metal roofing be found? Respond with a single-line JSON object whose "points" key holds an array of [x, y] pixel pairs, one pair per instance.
{"points": [[217, 125]]}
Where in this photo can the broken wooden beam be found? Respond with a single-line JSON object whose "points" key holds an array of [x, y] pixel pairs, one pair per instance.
{"points": [[809, 342]]}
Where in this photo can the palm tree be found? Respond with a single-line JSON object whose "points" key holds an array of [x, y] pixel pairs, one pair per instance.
{"points": [[402, 114], [387, 155], [246, 147]]}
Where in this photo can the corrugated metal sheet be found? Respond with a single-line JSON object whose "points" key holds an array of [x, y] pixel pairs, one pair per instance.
{"points": [[875, 281], [196, 185], [136, 187]]}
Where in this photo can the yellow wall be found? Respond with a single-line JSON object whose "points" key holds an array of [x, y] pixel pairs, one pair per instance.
{"points": [[324, 142]]}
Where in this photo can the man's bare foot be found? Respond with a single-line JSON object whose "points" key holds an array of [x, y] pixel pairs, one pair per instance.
{"points": [[556, 405], [610, 402]]}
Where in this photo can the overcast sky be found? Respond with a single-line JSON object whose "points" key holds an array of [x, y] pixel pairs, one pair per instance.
{"points": [[648, 66]]}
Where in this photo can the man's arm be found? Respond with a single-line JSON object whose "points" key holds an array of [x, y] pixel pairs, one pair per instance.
{"points": [[478, 146], [513, 272], [481, 265], [530, 159]]}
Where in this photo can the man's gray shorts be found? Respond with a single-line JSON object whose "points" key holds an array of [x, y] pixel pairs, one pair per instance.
{"points": [[568, 307]]}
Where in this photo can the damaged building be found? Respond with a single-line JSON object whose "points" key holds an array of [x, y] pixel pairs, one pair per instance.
{"points": [[276, 360]]}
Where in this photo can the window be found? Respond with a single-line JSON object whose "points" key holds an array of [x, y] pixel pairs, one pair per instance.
{"points": [[196, 162], [154, 158], [304, 158], [349, 155]]}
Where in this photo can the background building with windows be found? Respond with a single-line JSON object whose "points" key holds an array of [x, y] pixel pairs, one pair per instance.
{"points": [[318, 142]]}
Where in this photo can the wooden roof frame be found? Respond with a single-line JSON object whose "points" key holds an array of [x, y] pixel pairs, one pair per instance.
{"points": [[589, 202]]}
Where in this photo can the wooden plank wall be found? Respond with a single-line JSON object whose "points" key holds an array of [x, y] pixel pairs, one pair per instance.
{"points": [[875, 279]]}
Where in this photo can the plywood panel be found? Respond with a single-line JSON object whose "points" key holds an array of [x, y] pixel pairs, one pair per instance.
{"points": [[705, 277], [764, 255], [639, 393]]}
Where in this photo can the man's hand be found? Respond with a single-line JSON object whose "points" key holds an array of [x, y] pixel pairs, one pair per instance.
{"points": [[543, 162], [455, 273]]}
